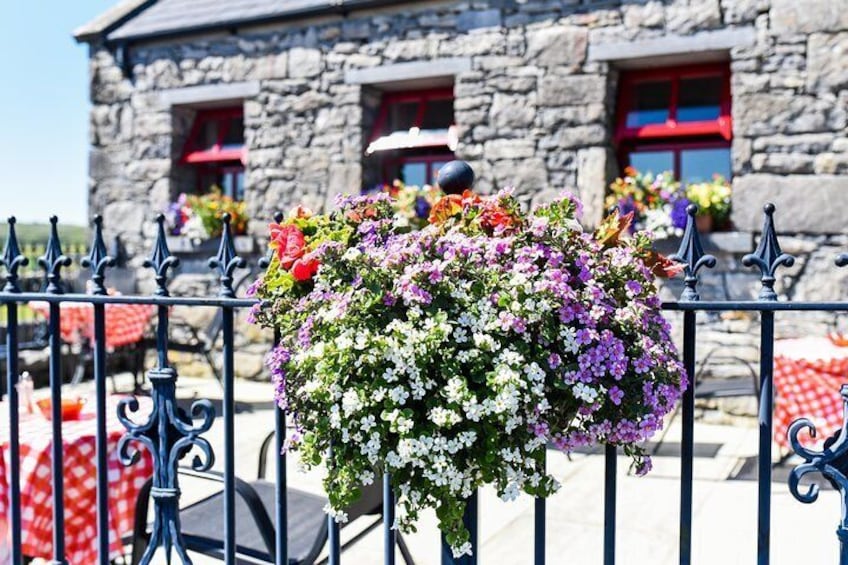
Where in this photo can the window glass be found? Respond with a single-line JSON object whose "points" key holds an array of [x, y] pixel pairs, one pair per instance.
{"points": [[699, 165], [208, 137], [438, 114], [402, 116], [414, 174], [652, 161], [699, 99], [234, 138], [651, 101]]}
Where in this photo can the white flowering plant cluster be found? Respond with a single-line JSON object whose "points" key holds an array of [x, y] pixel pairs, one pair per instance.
{"points": [[451, 357]]}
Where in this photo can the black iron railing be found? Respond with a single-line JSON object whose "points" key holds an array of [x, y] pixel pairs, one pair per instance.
{"points": [[168, 433]]}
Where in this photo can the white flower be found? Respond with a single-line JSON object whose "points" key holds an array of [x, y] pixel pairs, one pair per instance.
{"points": [[399, 395], [351, 402], [582, 391]]}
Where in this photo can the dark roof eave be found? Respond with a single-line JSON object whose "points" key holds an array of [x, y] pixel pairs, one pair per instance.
{"points": [[94, 31], [342, 7]]}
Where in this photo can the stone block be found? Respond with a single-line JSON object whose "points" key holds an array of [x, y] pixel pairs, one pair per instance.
{"points": [[805, 203], [344, 178], [513, 110], [558, 46], [649, 15], [475, 19], [567, 137], [572, 90], [684, 18], [272, 66], [827, 61], [508, 149], [831, 164], [304, 62], [784, 112], [527, 175], [807, 16], [594, 166]]}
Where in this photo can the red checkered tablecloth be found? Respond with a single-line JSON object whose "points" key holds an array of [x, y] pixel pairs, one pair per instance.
{"points": [[79, 481], [125, 323], [808, 374]]}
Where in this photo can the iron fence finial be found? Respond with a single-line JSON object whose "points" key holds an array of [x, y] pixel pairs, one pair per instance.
{"points": [[768, 256], [12, 258], [53, 260], [161, 259], [226, 261], [691, 255], [98, 259]]}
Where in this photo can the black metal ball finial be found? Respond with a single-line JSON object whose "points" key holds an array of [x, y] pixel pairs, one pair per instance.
{"points": [[456, 177]]}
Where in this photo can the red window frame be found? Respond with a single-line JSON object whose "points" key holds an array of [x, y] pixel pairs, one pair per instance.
{"points": [[722, 126], [393, 163], [193, 155], [420, 96], [675, 148]]}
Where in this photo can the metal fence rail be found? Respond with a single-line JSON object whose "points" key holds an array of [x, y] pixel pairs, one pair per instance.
{"points": [[169, 432]]}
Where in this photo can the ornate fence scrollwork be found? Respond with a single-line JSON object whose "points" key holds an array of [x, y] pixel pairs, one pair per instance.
{"points": [[168, 433]]}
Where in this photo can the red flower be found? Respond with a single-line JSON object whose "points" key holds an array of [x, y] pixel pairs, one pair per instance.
{"points": [[496, 219], [304, 269], [288, 241]]}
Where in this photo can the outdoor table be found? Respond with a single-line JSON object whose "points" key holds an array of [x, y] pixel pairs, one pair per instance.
{"points": [[125, 323], [808, 375], [78, 439]]}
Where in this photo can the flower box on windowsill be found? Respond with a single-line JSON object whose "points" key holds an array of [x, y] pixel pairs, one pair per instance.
{"points": [[180, 245]]}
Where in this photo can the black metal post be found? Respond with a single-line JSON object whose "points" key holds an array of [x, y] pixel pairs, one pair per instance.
{"points": [[281, 498], [687, 440], [539, 523], [765, 425], [14, 434], [55, 370], [229, 441], [389, 538], [610, 460], [333, 543], [101, 438]]}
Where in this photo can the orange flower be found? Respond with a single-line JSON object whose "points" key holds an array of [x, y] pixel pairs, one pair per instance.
{"points": [[288, 241], [300, 213], [304, 269], [446, 208]]}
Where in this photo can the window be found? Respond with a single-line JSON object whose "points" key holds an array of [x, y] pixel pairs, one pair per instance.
{"points": [[676, 119], [413, 136], [215, 151]]}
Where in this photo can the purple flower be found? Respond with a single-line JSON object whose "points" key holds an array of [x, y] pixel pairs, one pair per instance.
{"points": [[678, 212], [616, 394]]}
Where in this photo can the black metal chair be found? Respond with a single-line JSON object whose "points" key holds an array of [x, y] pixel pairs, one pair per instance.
{"points": [[714, 389], [34, 338], [201, 522], [199, 341]]}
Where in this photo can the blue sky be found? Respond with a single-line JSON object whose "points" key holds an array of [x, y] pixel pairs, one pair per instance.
{"points": [[44, 108]]}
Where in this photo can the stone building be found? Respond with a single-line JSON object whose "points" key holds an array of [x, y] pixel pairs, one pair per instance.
{"points": [[293, 102]]}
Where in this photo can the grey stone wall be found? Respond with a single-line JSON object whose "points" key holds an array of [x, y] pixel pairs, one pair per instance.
{"points": [[534, 84], [534, 107]]}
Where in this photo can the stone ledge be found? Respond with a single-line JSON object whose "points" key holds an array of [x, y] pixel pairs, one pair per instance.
{"points": [[435, 68], [804, 203], [208, 93], [698, 45]]}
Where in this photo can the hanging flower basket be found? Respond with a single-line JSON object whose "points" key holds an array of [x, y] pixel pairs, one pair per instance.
{"points": [[452, 356]]}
